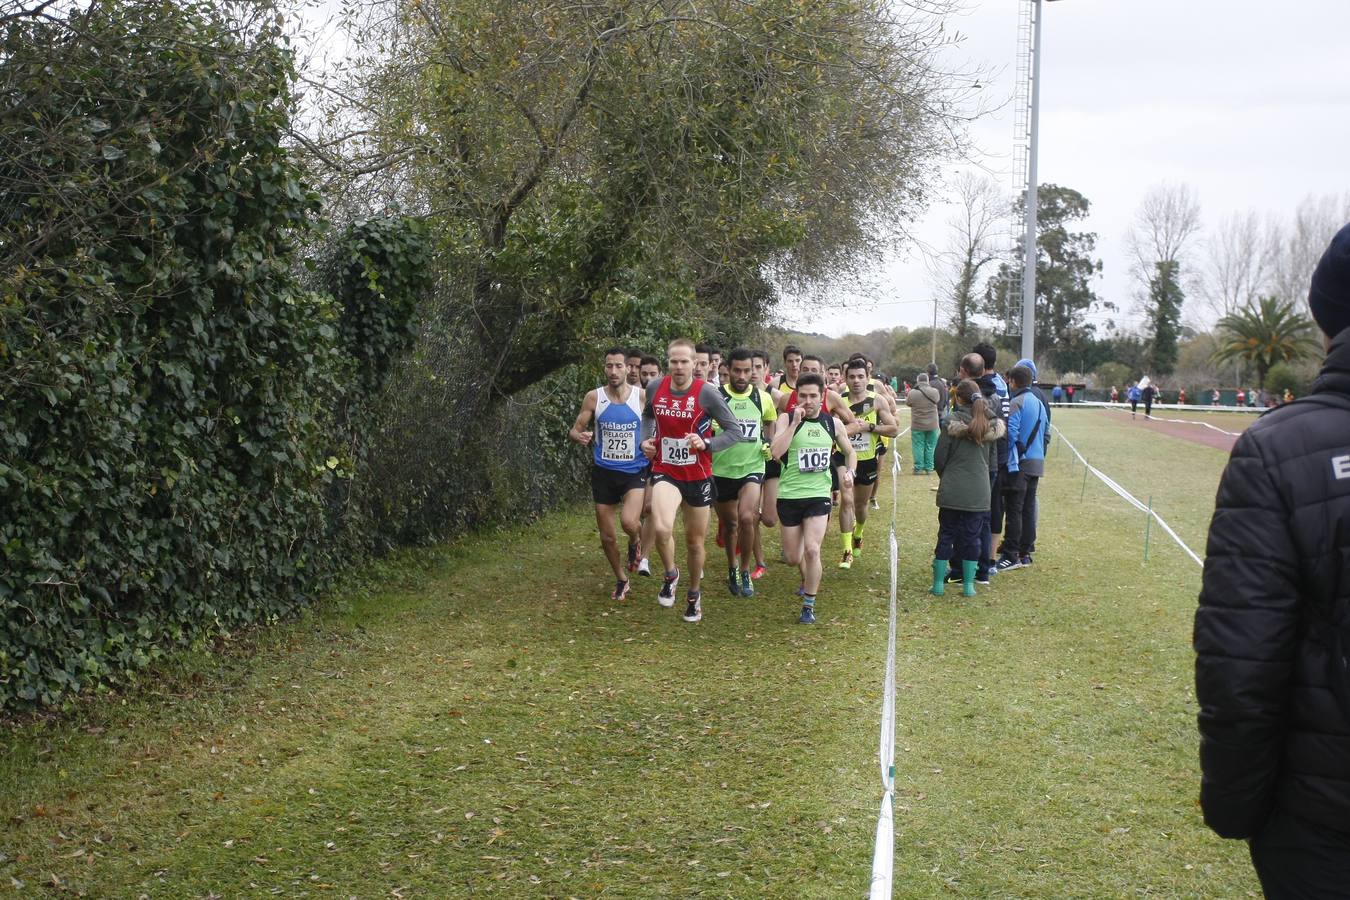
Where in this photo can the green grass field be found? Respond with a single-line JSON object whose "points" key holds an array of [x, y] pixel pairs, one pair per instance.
{"points": [[479, 720]]}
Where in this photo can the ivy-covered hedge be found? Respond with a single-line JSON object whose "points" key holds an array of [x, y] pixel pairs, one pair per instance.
{"points": [[168, 437]]}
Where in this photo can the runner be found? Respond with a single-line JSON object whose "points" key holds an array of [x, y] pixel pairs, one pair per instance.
{"points": [[803, 441], [634, 360], [883, 390], [878, 422], [784, 385], [768, 514], [834, 377], [703, 362], [677, 437], [738, 471], [792, 366], [616, 471], [649, 374], [834, 404], [715, 366]]}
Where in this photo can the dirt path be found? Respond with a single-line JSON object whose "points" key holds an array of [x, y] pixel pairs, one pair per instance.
{"points": [[1198, 434]]}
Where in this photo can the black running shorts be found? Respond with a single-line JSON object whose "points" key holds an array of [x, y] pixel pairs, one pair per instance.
{"points": [[695, 493], [792, 512], [608, 486], [728, 489], [866, 472], [773, 469]]}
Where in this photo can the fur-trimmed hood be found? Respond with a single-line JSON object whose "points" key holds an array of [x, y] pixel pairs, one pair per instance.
{"points": [[959, 424]]}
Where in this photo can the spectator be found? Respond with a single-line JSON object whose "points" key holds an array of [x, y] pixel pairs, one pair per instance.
{"points": [[938, 382], [1288, 396], [1115, 394], [965, 452], [972, 367], [1040, 395], [1057, 394], [1251, 397], [1241, 397], [1181, 397], [923, 402], [1271, 673], [1216, 399], [1027, 429], [1134, 394], [1068, 393], [1149, 394]]}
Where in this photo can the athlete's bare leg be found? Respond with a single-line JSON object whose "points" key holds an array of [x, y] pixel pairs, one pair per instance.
{"points": [[747, 519], [666, 501], [792, 544], [726, 523], [648, 522], [630, 515], [695, 536], [604, 519], [813, 533], [846, 511]]}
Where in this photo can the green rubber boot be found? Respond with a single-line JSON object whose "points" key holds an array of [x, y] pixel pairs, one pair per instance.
{"points": [[968, 577], [939, 577]]}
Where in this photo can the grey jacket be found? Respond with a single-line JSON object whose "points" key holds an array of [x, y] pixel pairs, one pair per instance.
{"points": [[923, 400]]}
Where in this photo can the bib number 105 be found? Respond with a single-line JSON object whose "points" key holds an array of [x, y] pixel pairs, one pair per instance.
{"points": [[813, 459]]}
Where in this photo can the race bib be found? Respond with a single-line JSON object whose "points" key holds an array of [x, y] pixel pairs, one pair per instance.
{"points": [[619, 446], [860, 441], [813, 459], [749, 429], [677, 452]]}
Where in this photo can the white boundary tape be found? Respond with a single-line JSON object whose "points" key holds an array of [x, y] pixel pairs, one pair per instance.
{"points": [[883, 848], [1129, 498], [1191, 422]]}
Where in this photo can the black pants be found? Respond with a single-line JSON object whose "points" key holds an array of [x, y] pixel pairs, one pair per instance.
{"points": [[958, 534], [1019, 511], [1299, 860]]}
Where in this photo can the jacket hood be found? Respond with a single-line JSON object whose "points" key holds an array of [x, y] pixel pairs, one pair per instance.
{"points": [[1030, 365], [1335, 374], [959, 425]]}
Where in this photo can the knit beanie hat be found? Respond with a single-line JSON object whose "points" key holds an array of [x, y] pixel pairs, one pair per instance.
{"points": [[1329, 295], [1030, 365]]}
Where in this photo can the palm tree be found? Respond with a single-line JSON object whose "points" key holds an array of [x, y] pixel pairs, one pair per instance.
{"points": [[1270, 332]]}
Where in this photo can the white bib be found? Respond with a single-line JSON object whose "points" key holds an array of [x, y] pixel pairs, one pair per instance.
{"points": [[813, 459], [677, 452]]}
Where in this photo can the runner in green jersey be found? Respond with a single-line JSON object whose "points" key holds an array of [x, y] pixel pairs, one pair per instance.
{"points": [[738, 471], [872, 410], [803, 442]]}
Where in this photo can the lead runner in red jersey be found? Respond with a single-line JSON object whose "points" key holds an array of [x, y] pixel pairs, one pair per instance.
{"points": [[677, 432]]}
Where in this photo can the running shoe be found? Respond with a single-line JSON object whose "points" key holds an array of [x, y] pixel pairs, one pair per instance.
{"points": [[875, 504], [667, 595], [759, 572], [693, 607], [1008, 563], [747, 586], [621, 590], [982, 580], [808, 616], [847, 561], [734, 583], [1026, 561], [644, 568]]}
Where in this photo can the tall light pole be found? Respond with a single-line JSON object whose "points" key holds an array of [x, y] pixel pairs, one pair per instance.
{"points": [[1029, 237]]}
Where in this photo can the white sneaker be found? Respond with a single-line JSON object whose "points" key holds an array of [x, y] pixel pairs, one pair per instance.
{"points": [[644, 567], [666, 597]]}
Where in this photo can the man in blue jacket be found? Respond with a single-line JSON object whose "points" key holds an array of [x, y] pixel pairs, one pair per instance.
{"points": [[1027, 428]]}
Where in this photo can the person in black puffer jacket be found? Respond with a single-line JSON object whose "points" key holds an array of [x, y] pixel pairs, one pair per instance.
{"points": [[1272, 632]]}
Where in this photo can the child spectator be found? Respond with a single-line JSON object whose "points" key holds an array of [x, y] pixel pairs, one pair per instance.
{"points": [[965, 452]]}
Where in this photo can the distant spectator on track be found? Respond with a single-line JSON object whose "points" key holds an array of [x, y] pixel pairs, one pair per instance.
{"points": [[1272, 632], [1241, 397], [1215, 399], [1068, 393], [1134, 394], [1149, 393], [1181, 397], [1057, 394], [1115, 394], [1251, 397]]}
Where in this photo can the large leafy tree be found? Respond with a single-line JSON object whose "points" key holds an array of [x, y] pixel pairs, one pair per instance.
{"points": [[1164, 310], [1265, 334], [689, 155], [1065, 269]]}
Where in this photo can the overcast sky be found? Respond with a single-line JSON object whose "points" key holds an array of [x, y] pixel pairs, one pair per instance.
{"points": [[1248, 102]]}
